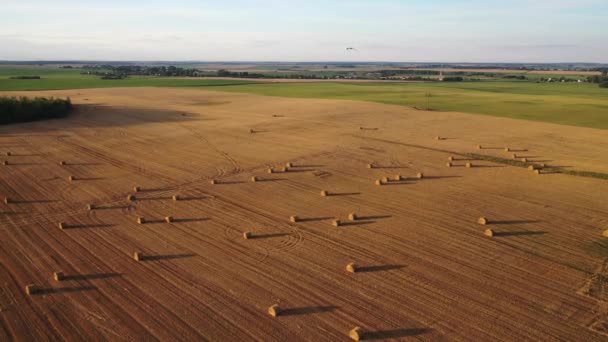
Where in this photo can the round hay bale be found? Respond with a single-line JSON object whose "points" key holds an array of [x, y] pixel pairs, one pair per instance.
{"points": [[531, 167], [605, 233], [451, 158], [169, 219], [515, 156], [62, 163], [525, 160], [176, 198], [507, 149], [324, 193], [284, 169], [213, 182], [62, 225], [7, 200], [5, 162], [294, 219], [488, 232], [482, 220], [378, 182], [542, 165], [58, 276], [356, 334], [384, 179], [397, 178], [448, 164], [31, 289], [141, 220], [274, 310], [336, 223], [90, 207], [254, 179], [8, 154], [138, 256], [136, 189], [352, 216], [71, 178], [420, 175], [537, 171], [351, 268], [289, 164], [479, 147], [130, 198], [247, 235], [370, 166], [270, 170], [438, 138], [469, 165]]}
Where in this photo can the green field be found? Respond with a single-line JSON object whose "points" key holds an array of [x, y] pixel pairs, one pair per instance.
{"points": [[574, 104]]}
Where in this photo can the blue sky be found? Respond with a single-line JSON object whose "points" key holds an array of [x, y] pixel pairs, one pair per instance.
{"points": [[313, 30]]}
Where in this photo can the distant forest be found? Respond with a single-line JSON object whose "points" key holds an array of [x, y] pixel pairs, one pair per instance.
{"points": [[23, 109]]}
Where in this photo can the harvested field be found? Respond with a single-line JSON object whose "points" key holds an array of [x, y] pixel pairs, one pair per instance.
{"points": [[416, 241]]}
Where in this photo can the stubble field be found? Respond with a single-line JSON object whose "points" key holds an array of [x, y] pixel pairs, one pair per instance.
{"points": [[425, 268]]}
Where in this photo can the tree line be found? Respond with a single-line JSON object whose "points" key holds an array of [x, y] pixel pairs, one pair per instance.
{"points": [[602, 79], [23, 109]]}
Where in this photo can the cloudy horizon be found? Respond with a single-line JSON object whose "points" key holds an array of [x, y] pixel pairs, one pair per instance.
{"points": [[546, 31]]}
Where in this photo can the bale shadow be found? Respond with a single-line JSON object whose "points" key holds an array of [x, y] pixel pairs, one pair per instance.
{"points": [[314, 219], [486, 166], [395, 333], [331, 194], [491, 148], [308, 310], [268, 236], [158, 198], [520, 150], [389, 167], [271, 180], [291, 170], [229, 182], [167, 257], [355, 223], [395, 182], [93, 276], [522, 233], [47, 291], [506, 222], [378, 268], [88, 178]]}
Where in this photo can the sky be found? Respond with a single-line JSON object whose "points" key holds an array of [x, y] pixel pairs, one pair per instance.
{"points": [[532, 31]]}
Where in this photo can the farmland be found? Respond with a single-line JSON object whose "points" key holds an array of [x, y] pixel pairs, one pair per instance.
{"points": [[424, 268], [583, 105]]}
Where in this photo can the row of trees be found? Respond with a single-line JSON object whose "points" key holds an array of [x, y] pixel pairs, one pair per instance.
{"points": [[602, 80], [127, 70], [22, 109]]}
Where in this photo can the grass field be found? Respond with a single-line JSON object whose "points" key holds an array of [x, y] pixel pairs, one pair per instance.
{"points": [[569, 104], [574, 104]]}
